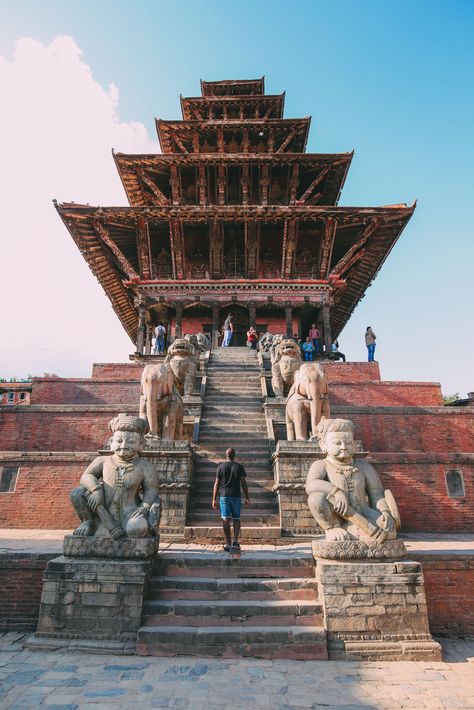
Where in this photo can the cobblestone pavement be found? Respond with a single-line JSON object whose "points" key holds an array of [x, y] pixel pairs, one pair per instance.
{"points": [[73, 681]]}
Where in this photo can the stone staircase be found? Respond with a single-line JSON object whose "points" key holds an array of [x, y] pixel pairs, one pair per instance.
{"points": [[205, 603], [233, 416]]}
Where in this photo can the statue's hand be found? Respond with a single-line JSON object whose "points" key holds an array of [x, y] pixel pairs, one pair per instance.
{"points": [[386, 522], [141, 512], [95, 499], [341, 503]]}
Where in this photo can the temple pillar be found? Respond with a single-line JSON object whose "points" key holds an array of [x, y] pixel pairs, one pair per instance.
{"points": [[141, 328], [327, 329], [149, 336], [178, 321], [215, 327], [289, 321], [252, 315]]}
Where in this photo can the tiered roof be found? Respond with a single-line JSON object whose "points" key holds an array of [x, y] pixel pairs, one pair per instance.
{"points": [[233, 160]]}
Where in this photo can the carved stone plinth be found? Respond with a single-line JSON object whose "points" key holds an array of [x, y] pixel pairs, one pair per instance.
{"points": [[91, 604], [358, 550], [174, 461], [123, 549], [291, 462], [375, 610]]}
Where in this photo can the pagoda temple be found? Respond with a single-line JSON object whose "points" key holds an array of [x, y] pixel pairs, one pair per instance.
{"points": [[234, 216]]}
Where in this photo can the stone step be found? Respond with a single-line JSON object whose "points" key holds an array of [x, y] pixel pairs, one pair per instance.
{"points": [[284, 563], [259, 496], [210, 588], [252, 519], [213, 535], [191, 612], [295, 642]]}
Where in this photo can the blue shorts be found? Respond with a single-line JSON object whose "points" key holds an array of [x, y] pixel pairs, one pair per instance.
{"points": [[230, 507]]}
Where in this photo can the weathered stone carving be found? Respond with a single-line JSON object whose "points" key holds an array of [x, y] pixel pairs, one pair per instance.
{"points": [[183, 363], [286, 360], [345, 495], [160, 402], [264, 343], [118, 495], [204, 343], [307, 402]]}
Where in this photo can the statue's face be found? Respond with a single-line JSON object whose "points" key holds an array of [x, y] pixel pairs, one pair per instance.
{"points": [[126, 444], [340, 445]]}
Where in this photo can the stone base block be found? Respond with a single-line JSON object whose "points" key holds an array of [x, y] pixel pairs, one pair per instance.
{"points": [[125, 549], [96, 602], [375, 610], [358, 549]]}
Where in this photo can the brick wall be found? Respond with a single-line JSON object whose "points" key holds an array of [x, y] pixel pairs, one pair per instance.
{"points": [[87, 391], [418, 485], [383, 394], [117, 371], [352, 371], [449, 584], [427, 429], [21, 582], [43, 486]]}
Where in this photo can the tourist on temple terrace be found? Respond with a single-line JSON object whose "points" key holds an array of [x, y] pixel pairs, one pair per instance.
{"points": [[308, 350], [230, 479], [252, 337], [159, 339], [370, 342], [228, 330], [314, 336], [336, 353]]}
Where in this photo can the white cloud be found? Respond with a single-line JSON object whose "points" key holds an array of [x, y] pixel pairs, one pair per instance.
{"points": [[57, 128]]}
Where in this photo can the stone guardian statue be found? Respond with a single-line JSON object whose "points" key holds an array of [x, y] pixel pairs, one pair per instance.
{"points": [[345, 494], [118, 494]]}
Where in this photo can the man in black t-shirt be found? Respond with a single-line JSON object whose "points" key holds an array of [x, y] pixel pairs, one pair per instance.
{"points": [[230, 478]]}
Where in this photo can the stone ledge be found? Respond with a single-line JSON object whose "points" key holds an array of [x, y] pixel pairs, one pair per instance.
{"points": [[123, 549], [358, 550]]}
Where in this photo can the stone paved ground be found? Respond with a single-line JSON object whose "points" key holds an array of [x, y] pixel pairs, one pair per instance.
{"points": [[87, 682]]}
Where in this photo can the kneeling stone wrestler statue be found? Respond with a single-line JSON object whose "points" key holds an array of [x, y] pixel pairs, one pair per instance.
{"points": [[345, 495], [118, 494]]}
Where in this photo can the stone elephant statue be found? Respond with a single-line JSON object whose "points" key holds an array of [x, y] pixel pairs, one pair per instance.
{"points": [[160, 402], [286, 360], [183, 361], [307, 402]]}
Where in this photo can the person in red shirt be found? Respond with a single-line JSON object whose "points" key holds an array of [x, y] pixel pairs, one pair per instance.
{"points": [[252, 337], [314, 336]]}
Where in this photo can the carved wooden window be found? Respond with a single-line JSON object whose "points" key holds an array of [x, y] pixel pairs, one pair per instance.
{"points": [[270, 266], [198, 265], [8, 477], [234, 262], [455, 483], [305, 264], [163, 265]]}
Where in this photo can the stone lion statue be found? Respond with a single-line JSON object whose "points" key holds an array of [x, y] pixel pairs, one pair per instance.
{"points": [[182, 361], [286, 360]]}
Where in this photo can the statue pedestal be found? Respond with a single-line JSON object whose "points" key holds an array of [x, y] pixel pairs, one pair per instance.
{"points": [[374, 610], [94, 603], [291, 462], [174, 461]]}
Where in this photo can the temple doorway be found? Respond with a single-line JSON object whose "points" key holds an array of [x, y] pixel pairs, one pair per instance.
{"points": [[241, 323], [308, 315]]}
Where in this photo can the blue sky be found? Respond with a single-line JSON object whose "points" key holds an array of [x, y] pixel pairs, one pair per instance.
{"points": [[392, 80]]}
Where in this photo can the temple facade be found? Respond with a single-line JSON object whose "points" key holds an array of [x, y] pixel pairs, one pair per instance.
{"points": [[234, 216]]}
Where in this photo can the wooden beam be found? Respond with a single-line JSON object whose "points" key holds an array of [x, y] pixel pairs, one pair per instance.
{"points": [[245, 183], [330, 228], [251, 249], [294, 183], [271, 140], [195, 142], [180, 145], [221, 185], [175, 185], [220, 141], [143, 246], [319, 177], [264, 183], [160, 197], [289, 247], [104, 236], [287, 140], [216, 256], [202, 185], [177, 248], [347, 260]]}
